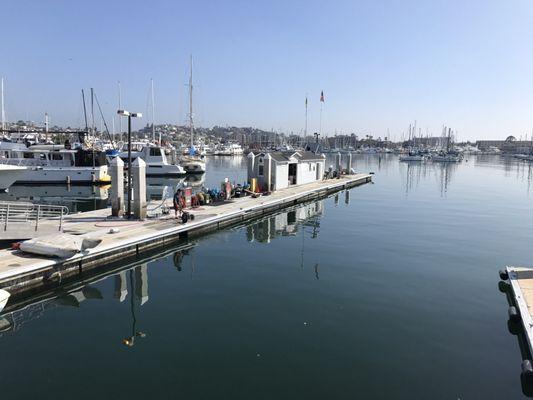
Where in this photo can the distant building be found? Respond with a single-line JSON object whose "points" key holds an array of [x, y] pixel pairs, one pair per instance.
{"points": [[279, 170], [508, 146]]}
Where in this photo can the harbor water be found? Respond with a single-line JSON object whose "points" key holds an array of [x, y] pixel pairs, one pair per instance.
{"points": [[388, 290]]}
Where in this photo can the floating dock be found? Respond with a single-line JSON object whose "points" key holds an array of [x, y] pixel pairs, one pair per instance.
{"points": [[122, 239], [517, 284]]}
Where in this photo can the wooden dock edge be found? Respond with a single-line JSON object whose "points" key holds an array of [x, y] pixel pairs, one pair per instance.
{"points": [[56, 270]]}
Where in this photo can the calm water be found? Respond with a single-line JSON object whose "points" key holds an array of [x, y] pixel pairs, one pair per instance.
{"points": [[389, 291]]}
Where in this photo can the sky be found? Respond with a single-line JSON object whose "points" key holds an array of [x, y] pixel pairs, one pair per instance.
{"points": [[382, 65]]}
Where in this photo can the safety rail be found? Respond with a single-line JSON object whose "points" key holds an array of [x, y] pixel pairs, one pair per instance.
{"points": [[12, 213]]}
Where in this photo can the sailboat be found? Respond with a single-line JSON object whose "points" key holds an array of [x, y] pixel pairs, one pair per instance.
{"points": [[193, 163], [449, 155]]}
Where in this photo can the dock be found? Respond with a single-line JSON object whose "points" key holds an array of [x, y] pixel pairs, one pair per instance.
{"points": [[122, 239], [517, 284]]}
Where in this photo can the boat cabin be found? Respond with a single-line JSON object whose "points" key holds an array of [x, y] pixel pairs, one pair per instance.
{"points": [[49, 156], [279, 170]]}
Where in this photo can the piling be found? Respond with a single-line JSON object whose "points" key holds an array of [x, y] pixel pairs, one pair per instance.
{"points": [[116, 170], [349, 163], [338, 160], [139, 188]]}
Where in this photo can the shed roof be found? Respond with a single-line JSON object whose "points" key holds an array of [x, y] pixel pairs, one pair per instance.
{"points": [[287, 156]]}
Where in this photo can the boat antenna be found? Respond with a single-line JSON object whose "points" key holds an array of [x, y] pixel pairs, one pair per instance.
{"points": [[191, 123]]}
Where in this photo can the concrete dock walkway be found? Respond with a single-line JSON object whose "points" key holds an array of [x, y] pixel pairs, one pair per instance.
{"points": [[21, 272]]}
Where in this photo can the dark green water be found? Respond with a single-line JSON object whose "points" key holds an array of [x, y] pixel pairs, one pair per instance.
{"points": [[390, 293]]}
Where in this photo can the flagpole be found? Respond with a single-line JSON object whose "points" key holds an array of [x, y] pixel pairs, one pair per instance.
{"points": [[320, 127], [305, 131]]}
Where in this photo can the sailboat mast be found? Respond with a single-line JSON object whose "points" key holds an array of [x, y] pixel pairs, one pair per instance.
{"points": [[93, 127], [191, 126], [120, 108], [3, 109], [153, 112]]}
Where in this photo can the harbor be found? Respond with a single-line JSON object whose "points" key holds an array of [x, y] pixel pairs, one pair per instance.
{"points": [[282, 200]]}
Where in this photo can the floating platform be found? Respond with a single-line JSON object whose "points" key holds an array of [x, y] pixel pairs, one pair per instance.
{"points": [[23, 274], [517, 284]]}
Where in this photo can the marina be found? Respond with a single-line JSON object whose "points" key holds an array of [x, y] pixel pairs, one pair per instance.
{"points": [[229, 200]]}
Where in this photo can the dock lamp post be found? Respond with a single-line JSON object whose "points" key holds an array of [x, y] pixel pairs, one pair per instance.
{"points": [[130, 115]]}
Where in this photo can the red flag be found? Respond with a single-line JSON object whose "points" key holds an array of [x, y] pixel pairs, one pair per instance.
{"points": [[322, 96]]}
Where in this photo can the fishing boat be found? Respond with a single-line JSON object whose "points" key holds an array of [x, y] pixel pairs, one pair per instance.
{"points": [[52, 164]]}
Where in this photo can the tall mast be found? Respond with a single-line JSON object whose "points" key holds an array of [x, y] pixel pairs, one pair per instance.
{"points": [[93, 127], [153, 112], [191, 125], [3, 109], [85, 115], [120, 108]]}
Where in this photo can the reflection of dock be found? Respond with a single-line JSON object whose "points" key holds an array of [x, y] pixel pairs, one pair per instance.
{"points": [[72, 294], [20, 272], [285, 224]]}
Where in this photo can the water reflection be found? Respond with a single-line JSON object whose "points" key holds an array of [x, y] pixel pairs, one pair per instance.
{"points": [[75, 197], [287, 223], [416, 172], [129, 280]]}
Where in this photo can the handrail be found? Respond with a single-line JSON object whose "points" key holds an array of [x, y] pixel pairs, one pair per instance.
{"points": [[22, 212]]}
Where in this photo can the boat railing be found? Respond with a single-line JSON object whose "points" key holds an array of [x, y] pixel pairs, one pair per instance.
{"points": [[13, 214]]}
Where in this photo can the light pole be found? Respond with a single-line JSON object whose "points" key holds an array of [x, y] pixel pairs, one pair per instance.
{"points": [[130, 115]]}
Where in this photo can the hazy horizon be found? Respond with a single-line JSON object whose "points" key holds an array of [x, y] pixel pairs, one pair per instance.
{"points": [[381, 65]]}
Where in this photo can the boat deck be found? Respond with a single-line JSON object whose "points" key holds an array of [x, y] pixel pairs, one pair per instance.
{"points": [[20, 272]]}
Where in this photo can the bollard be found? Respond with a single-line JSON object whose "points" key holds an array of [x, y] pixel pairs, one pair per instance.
{"points": [[338, 166], [348, 163], [139, 188], [116, 170]]}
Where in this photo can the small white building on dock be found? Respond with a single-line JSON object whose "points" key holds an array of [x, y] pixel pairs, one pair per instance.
{"points": [[279, 170]]}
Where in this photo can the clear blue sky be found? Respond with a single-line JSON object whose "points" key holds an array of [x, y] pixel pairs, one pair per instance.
{"points": [[382, 64]]}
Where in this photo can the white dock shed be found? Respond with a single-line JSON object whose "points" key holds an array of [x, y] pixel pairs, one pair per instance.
{"points": [[280, 169]]}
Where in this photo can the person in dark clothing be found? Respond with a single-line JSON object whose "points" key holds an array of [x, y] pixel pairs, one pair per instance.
{"points": [[177, 203]]}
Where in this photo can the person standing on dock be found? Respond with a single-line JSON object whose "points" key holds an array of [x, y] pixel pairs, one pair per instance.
{"points": [[177, 203]]}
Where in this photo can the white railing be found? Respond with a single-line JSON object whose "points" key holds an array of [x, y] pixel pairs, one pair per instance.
{"points": [[14, 213]]}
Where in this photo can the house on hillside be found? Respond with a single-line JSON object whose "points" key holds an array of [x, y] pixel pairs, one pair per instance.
{"points": [[279, 170]]}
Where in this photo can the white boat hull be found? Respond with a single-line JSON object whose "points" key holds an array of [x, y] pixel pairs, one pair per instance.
{"points": [[54, 175], [9, 174]]}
